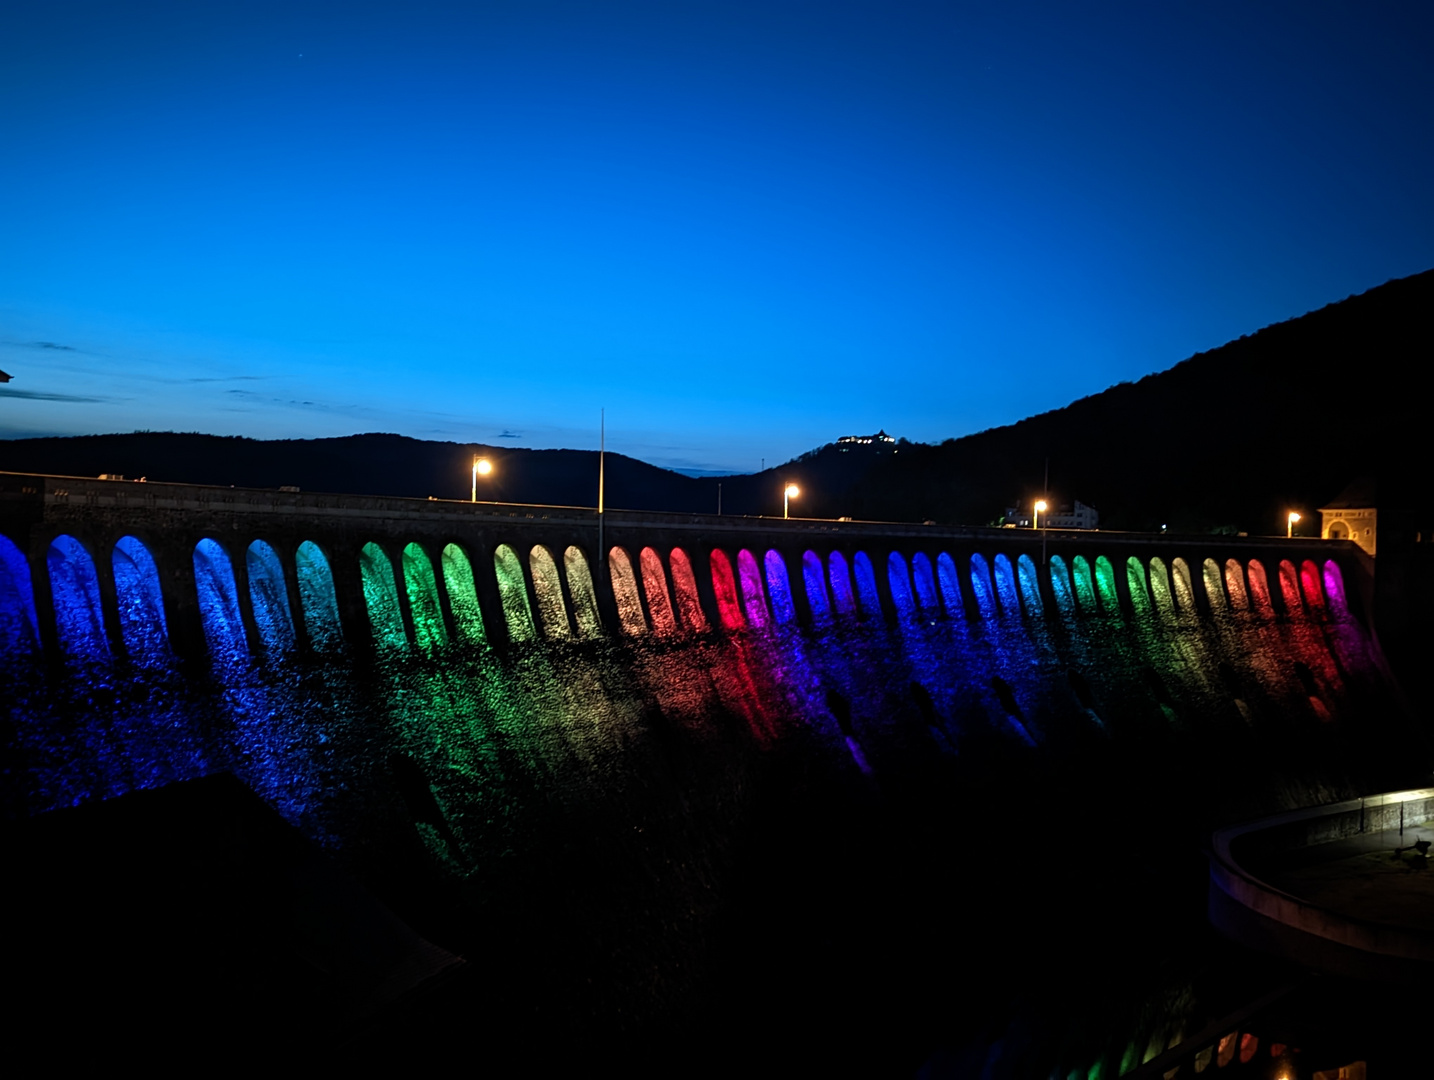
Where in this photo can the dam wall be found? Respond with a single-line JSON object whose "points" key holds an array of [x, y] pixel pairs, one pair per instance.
{"points": [[496, 719]]}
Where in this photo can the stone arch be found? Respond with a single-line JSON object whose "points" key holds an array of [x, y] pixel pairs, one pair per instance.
{"points": [[1061, 586], [1215, 586], [1310, 583], [923, 580], [423, 606], [1338, 529], [1235, 585], [1139, 588], [1105, 586], [1084, 585], [1334, 588], [19, 622], [1005, 580], [724, 587], [1290, 587], [380, 593], [548, 587], [269, 597], [584, 596], [839, 574], [1259, 587], [949, 582], [513, 593], [218, 600], [982, 588], [317, 598], [866, 590], [79, 619], [1182, 585], [139, 599], [625, 594], [684, 593], [814, 578], [898, 579], [654, 587], [754, 595], [463, 603], [1030, 585], [1160, 588], [779, 588]]}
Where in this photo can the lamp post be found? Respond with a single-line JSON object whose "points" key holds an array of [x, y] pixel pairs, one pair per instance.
{"points": [[1290, 525], [481, 467], [1040, 509], [790, 492]]}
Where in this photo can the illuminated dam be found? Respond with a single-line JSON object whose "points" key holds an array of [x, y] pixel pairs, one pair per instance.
{"points": [[611, 736]]}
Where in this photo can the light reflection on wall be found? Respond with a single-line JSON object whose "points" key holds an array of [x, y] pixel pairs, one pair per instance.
{"points": [[381, 596], [19, 625], [580, 588], [684, 588], [513, 594], [462, 595], [268, 597], [552, 614], [654, 587], [754, 596], [779, 589], [428, 629], [866, 589], [815, 582], [625, 594], [76, 591], [140, 600], [219, 602], [316, 597], [724, 586]]}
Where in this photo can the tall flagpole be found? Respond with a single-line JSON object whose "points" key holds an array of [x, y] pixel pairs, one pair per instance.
{"points": [[602, 467]]}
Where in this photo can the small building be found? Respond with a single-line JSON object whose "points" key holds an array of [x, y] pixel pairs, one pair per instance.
{"points": [[1353, 515], [4, 377], [1075, 515]]}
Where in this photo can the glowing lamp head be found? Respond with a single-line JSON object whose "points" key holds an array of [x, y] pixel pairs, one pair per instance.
{"points": [[1040, 506], [1293, 517], [792, 491], [483, 466]]}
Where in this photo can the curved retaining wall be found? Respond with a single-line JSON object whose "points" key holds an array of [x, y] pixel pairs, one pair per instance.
{"points": [[1259, 914]]}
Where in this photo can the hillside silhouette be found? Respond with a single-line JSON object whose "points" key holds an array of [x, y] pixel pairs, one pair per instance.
{"points": [[1228, 440]]}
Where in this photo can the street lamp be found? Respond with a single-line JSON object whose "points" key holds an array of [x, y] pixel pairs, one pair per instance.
{"points": [[1040, 509], [481, 467], [790, 492], [1290, 525]]}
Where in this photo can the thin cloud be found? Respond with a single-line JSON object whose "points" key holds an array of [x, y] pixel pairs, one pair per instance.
{"points": [[40, 395], [51, 345], [224, 378], [510, 434]]}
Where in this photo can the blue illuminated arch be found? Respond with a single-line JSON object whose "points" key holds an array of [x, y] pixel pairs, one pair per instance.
{"points": [[19, 626], [218, 601], [269, 597], [141, 603], [76, 591]]}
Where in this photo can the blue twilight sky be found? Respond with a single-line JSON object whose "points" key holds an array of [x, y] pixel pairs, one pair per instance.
{"points": [[744, 229]]}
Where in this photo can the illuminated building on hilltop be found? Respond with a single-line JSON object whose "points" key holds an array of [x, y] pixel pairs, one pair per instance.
{"points": [[879, 442]]}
